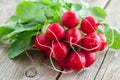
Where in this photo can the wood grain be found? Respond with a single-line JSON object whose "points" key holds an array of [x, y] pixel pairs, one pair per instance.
{"points": [[113, 11], [111, 67], [7, 8], [113, 70], [15, 69]]}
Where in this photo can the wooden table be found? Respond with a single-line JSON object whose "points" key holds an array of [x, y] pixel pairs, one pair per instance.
{"points": [[107, 66]]}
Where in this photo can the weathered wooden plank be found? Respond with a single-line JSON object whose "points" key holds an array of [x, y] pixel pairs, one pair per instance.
{"points": [[16, 69], [111, 68], [113, 11], [7, 8], [108, 59]]}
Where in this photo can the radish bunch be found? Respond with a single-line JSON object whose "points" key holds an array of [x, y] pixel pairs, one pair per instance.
{"points": [[72, 47]]}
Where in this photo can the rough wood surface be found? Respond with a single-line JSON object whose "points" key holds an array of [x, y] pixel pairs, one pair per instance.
{"points": [[7, 8], [110, 68], [107, 66], [112, 71], [21, 68]]}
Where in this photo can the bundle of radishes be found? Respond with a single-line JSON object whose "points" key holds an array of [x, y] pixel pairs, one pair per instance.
{"points": [[69, 33], [74, 43]]}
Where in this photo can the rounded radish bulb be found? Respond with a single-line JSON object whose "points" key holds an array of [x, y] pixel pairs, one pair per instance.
{"points": [[89, 24], [91, 42], [55, 32], [73, 36], [76, 60], [70, 19], [42, 42]]}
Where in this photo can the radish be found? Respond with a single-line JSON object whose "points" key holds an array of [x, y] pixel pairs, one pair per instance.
{"points": [[55, 32], [42, 42], [70, 19], [74, 36], [76, 60], [89, 24], [60, 51], [48, 52], [91, 42], [62, 64], [103, 42], [90, 58]]}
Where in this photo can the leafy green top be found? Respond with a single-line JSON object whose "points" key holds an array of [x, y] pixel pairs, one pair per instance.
{"points": [[34, 17]]}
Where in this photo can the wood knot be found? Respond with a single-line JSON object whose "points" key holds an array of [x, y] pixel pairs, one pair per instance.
{"points": [[31, 72]]}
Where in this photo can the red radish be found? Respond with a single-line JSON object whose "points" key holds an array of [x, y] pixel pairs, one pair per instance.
{"points": [[103, 42], [74, 36], [63, 64], [70, 19], [42, 42], [91, 42], [89, 24], [60, 51], [55, 31], [48, 52], [90, 59], [76, 61]]}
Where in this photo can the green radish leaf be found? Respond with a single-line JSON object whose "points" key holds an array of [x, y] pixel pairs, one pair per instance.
{"points": [[39, 15], [20, 44], [113, 36], [45, 26], [5, 29], [19, 29], [14, 18], [29, 25], [46, 2], [57, 6], [67, 6], [97, 12], [57, 16], [84, 10], [48, 12], [79, 6], [25, 11]]}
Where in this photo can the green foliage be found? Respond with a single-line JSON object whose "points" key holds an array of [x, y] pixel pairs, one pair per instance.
{"points": [[85, 10], [32, 18], [20, 44], [112, 34]]}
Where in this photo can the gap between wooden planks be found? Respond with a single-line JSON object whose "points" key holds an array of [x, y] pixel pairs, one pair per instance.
{"points": [[111, 70]]}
